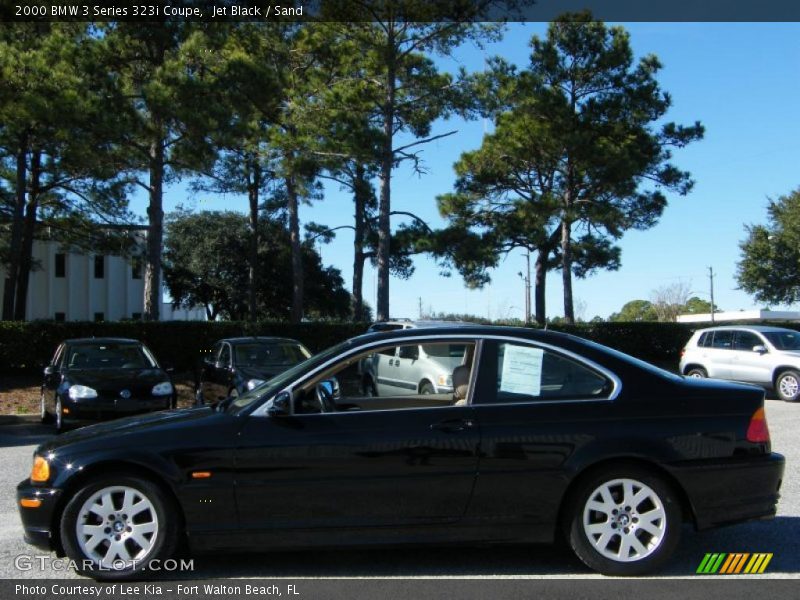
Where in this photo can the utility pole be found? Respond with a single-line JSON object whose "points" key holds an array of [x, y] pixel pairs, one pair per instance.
{"points": [[711, 282], [420, 307], [527, 279]]}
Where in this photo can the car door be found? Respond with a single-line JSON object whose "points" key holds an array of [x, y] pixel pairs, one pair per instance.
{"points": [[717, 357], [535, 408], [386, 366], [747, 364], [382, 469]]}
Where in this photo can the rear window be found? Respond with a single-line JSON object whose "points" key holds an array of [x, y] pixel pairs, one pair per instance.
{"points": [[704, 339], [723, 340]]}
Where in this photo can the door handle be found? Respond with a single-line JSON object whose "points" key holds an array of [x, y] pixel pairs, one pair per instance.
{"points": [[453, 425]]}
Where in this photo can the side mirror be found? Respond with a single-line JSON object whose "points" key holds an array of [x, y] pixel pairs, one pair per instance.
{"points": [[49, 371], [760, 349], [280, 405]]}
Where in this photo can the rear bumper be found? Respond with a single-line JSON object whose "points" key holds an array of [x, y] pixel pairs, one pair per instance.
{"points": [[723, 493]]}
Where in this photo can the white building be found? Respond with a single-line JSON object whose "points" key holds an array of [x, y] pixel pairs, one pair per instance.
{"points": [[72, 286]]}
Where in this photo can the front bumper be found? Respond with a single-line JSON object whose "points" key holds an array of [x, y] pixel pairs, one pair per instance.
{"points": [[37, 523], [98, 409], [731, 491]]}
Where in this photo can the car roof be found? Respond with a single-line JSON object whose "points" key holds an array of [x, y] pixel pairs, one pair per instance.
{"points": [[423, 323], [761, 328], [256, 338], [101, 340], [444, 329]]}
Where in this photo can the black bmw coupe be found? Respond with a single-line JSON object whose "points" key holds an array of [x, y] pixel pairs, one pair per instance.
{"points": [[103, 378], [544, 435]]}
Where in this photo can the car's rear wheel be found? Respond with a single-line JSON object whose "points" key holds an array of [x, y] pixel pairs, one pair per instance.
{"points": [[426, 388], [697, 373], [44, 413], [624, 520], [114, 526], [368, 388], [787, 386]]}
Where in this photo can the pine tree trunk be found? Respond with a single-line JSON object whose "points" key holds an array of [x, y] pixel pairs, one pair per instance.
{"points": [[28, 233], [539, 283], [255, 185], [566, 270], [297, 258], [359, 196], [155, 234], [385, 177], [18, 216]]}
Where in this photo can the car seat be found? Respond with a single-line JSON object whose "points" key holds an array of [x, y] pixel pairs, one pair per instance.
{"points": [[460, 385]]}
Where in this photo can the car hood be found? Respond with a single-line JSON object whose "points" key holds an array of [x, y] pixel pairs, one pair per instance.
{"points": [[117, 429], [112, 379]]}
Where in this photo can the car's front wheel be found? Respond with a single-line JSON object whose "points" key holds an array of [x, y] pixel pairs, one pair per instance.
{"points": [[624, 521], [788, 386], [697, 373], [114, 526]]}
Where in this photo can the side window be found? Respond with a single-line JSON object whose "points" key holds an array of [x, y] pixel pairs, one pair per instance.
{"points": [[438, 377], [745, 340], [723, 340], [529, 374], [224, 355]]}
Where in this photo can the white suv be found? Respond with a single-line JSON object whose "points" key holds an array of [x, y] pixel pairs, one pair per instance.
{"points": [[767, 356]]}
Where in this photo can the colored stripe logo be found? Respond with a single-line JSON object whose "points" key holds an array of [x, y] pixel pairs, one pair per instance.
{"points": [[736, 563]]}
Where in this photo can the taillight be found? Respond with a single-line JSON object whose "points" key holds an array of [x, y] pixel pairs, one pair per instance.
{"points": [[757, 431]]}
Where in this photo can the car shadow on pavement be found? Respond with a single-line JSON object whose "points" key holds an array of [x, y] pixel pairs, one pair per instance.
{"points": [[780, 536], [23, 431]]}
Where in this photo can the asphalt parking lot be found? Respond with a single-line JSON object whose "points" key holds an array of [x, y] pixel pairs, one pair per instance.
{"points": [[781, 536]]}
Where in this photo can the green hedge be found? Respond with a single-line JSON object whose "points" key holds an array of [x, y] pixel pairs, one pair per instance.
{"points": [[26, 346]]}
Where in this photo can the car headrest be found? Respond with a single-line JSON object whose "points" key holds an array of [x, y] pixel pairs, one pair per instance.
{"points": [[460, 382]]}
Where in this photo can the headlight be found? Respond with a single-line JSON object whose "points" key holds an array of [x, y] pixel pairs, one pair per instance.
{"points": [[41, 470], [79, 392], [162, 389], [254, 383], [445, 380]]}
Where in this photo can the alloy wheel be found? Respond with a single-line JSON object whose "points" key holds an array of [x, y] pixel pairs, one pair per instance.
{"points": [[624, 520], [117, 527]]}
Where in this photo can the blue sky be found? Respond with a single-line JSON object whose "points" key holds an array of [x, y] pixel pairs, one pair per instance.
{"points": [[741, 80]]}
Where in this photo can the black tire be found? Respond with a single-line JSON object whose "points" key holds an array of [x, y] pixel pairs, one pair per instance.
{"points": [[697, 373], [595, 553], [45, 415], [426, 388], [368, 388], [787, 386], [163, 541]]}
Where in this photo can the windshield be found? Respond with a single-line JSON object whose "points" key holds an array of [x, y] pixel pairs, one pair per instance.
{"points": [[260, 354], [276, 384], [109, 356], [783, 340]]}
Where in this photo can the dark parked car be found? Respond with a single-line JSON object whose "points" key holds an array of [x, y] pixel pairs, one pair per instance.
{"points": [[543, 434], [237, 365], [103, 378]]}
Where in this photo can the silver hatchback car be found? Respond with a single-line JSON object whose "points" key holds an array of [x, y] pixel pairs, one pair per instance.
{"points": [[767, 356]]}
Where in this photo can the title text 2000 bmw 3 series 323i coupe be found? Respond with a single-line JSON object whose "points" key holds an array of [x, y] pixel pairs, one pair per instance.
{"points": [[542, 435]]}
